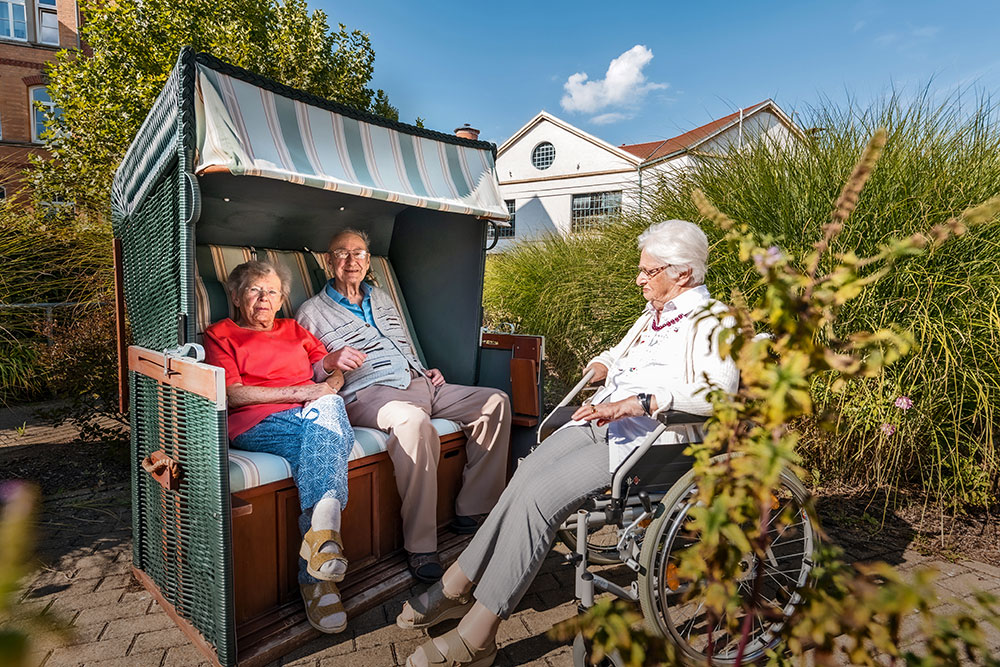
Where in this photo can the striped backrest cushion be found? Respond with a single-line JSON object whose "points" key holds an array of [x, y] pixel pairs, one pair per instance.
{"points": [[309, 274]]}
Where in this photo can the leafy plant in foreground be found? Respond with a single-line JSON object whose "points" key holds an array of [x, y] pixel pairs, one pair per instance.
{"points": [[799, 305]]}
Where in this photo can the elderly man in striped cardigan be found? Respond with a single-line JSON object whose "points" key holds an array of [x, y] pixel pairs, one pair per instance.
{"points": [[386, 387]]}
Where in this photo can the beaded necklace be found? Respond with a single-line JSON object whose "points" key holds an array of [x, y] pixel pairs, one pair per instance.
{"points": [[669, 323]]}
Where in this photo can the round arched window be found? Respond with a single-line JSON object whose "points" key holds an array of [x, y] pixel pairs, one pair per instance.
{"points": [[543, 155]]}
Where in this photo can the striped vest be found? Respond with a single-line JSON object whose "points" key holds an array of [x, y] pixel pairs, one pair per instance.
{"points": [[390, 356]]}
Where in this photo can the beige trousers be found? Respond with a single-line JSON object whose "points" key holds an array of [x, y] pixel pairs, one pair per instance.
{"points": [[414, 447]]}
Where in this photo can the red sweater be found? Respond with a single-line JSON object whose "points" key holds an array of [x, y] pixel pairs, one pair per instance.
{"points": [[281, 357]]}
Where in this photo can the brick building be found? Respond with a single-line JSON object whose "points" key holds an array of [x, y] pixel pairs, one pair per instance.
{"points": [[31, 32]]}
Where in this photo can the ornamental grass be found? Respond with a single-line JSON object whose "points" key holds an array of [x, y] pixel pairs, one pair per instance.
{"points": [[929, 420]]}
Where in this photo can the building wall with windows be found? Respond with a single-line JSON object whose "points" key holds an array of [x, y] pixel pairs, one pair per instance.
{"points": [[31, 32], [548, 164], [562, 180]]}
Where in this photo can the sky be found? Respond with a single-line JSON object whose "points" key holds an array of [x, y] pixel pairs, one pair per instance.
{"points": [[630, 72]]}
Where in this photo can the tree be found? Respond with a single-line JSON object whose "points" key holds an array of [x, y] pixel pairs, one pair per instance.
{"points": [[105, 91]]}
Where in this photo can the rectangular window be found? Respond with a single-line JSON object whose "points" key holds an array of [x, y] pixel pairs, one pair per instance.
{"points": [[41, 104], [48, 26], [3, 193], [594, 209], [507, 232], [13, 22]]}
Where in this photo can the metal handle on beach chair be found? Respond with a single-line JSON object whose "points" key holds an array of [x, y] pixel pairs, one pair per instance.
{"points": [[584, 381]]}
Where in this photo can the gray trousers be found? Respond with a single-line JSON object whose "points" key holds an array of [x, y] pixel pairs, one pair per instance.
{"points": [[549, 485]]}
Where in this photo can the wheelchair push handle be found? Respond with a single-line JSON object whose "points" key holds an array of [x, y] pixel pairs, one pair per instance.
{"points": [[562, 404]]}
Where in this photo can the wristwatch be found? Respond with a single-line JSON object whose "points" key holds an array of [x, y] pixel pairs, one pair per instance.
{"points": [[644, 399]]}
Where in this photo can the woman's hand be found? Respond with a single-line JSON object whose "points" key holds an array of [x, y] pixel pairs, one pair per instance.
{"points": [[336, 380], [346, 358], [604, 413], [600, 372], [239, 395]]}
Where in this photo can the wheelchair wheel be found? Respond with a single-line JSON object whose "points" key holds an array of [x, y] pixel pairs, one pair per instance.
{"points": [[581, 655], [684, 622]]}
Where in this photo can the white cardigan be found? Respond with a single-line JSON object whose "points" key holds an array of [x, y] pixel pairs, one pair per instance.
{"points": [[675, 364]]}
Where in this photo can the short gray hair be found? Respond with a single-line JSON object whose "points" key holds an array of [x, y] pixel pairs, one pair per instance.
{"points": [[680, 244], [350, 230], [247, 272]]}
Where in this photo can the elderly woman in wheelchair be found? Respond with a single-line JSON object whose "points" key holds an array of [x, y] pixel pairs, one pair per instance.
{"points": [[661, 367]]}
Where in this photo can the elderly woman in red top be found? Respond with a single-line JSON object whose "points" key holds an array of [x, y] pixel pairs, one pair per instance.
{"points": [[281, 387]]}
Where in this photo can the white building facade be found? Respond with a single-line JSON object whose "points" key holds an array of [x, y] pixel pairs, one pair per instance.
{"points": [[558, 179]]}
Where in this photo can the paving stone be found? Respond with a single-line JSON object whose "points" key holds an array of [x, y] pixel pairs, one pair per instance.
{"points": [[404, 648], [985, 568], [70, 603], [129, 627], [99, 572], [540, 622], [368, 621], [386, 634], [74, 637], [85, 653], [969, 582], [65, 589], [112, 612], [114, 582], [151, 659], [165, 638], [377, 655], [513, 629], [327, 646], [136, 596], [184, 656], [944, 568]]}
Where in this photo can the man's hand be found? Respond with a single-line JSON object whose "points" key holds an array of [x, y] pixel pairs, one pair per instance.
{"points": [[435, 376], [336, 380], [346, 358], [604, 413], [600, 372]]}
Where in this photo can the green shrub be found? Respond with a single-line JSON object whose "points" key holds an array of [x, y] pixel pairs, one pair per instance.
{"points": [[939, 159]]}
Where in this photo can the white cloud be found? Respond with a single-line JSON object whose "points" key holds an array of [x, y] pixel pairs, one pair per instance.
{"points": [[926, 31], [608, 118], [624, 84]]}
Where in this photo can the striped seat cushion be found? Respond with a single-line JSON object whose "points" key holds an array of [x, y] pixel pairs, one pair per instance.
{"points": [[252, 469]]}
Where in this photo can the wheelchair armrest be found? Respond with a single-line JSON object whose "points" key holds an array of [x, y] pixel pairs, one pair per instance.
{"points": [[668, 417]]}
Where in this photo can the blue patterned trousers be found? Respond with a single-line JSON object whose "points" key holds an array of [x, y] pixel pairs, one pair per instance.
{"points": [[316, 441]]}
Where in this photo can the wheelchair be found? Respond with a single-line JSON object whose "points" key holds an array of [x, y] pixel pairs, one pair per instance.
{"points": [[643, 522]]}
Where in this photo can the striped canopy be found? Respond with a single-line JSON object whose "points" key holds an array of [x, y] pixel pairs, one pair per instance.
{"points": [[248, 130]]}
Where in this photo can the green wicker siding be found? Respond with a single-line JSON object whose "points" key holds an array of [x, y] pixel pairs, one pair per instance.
{"points": [[152, 250], [181, 538]]}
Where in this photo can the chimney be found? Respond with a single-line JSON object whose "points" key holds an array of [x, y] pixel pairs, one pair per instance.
{"points": [[467, 132]]}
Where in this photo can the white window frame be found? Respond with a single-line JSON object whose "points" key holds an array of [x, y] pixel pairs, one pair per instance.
{"points": [[35, 130], [593, 213], [10, 17], [508, 232], [550, 153], [43, 10]]}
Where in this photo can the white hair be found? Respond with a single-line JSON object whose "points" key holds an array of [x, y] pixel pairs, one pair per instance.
{"points": [[680, 244]]}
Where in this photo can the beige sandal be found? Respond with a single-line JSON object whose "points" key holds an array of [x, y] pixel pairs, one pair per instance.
{"points": [[439, 607], [315, 559], [318, 613], [457, 653]]}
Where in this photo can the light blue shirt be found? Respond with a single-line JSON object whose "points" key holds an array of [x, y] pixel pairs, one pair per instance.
{"points": [[362, 311]]}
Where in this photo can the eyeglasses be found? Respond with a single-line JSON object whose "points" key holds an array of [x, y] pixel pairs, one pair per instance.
{"points": [[341, 254], [258, 292], [652, 273]]}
